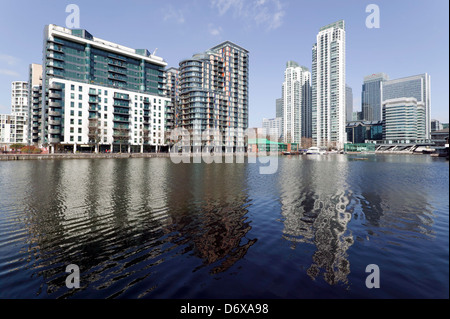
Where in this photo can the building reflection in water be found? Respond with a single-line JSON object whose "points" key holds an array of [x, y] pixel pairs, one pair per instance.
{"points": [[314, 211], [210, 219]]}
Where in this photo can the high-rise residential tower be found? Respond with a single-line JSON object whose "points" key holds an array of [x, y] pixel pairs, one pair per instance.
{"points": [[214, 93], [100, 94], [172, 89], [371, 103], [296, 103], [328, 86], [34, 103], [19, 97]]}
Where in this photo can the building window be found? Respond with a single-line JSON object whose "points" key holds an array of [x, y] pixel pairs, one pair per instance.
{"points": [[79, 138], [72, 87]]}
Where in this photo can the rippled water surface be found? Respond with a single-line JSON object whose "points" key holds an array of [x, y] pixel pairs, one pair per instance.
{"points": [[148, 228]]}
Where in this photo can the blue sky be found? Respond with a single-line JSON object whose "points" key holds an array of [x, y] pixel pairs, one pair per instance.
{"points": [[413, 38]]}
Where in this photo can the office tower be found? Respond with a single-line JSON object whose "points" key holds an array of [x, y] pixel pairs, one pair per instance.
{"points": [[404, 120], [272, 127], [371, 103], [279, 113], [328, 86], [363, 131], [348, 104], [296, 103], [100, 95], [279, 108], [214, 93], [417, 87], [436, 125], [19, 97]]}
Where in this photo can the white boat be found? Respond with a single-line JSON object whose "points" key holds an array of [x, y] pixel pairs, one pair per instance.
{"points": [[315, 151]]}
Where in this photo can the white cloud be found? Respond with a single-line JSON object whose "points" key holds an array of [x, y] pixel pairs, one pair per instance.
{"points": [[8, 59], [9, 73], [268, 13], [171, 14], [214, 31]]}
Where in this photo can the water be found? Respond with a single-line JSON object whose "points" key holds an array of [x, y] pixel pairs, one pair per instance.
{"points": [[148, 228]]}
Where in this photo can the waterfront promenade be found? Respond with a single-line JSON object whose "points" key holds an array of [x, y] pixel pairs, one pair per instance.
{"points": [[18, 156]]}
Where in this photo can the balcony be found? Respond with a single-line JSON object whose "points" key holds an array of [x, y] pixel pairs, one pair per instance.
{"points": [[116, 77], [121, 119], [55, 48], [54, 113], [54, 64], [56, 131], [55, 56], [54, 104], [54, 140], [53, 95], [119, 96], [54, 122]]}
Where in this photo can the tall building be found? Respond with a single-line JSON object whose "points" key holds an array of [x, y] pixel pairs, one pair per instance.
{"points": [[19, 97], [100, 95], [404, 120], [13, 129], [436, 125], [371, 103], [279, 107], [296, 103], [328, 86], [348, 104], [418, 87], [172, 89], [214, 93], [34, 103], [272, 127], [279, 113]]}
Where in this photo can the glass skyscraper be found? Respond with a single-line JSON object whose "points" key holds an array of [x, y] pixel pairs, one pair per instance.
{"points": [[371, 102], [417, 87]]}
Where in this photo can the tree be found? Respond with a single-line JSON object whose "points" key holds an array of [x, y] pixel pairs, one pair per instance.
{"points": [[306, 142], [16, 146], [94, 132], [122, 135]]}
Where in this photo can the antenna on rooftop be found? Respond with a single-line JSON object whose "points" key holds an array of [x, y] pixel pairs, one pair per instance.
{"points": [[154, 52]]}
